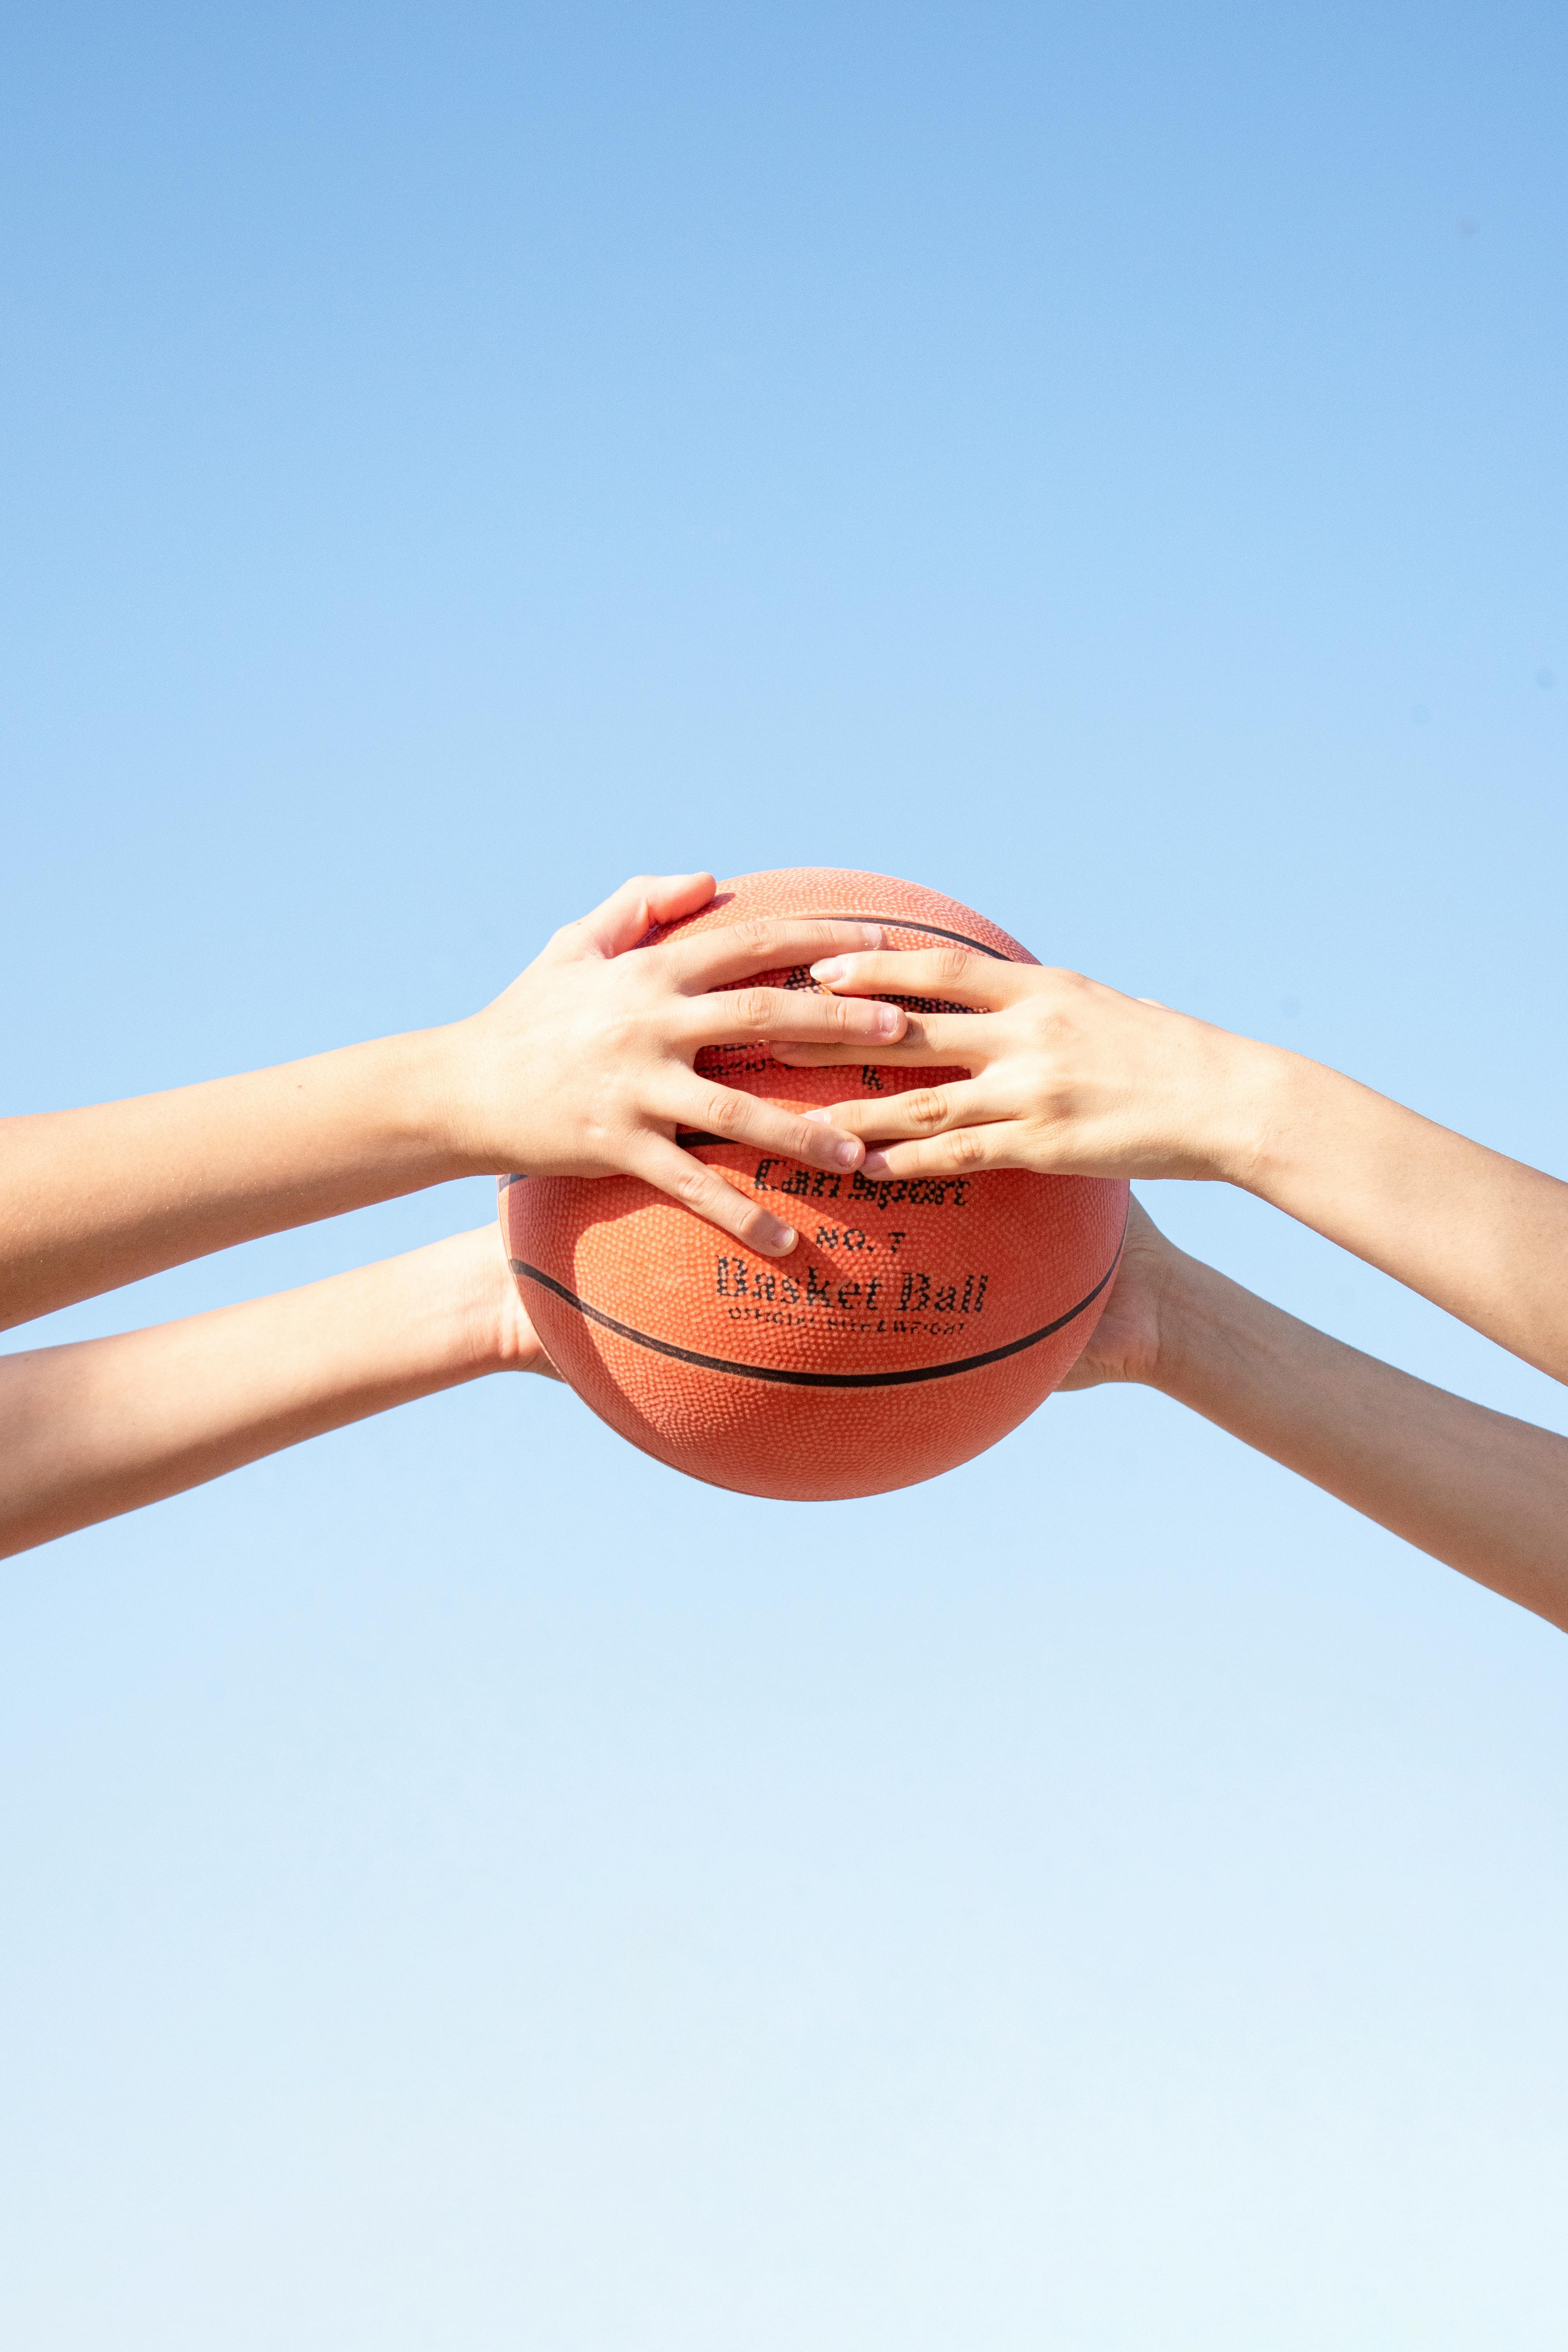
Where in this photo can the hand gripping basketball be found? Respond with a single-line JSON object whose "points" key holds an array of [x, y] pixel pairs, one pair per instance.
{"points": [[583, 1066], [1064, 1076], [917, 1321]]}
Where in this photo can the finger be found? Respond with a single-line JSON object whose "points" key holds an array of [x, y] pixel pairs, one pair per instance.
{"points": [[760, 943], [925, 1110], [704, 1191], [629, 915], [931, 1040], [952, 974], [741, 1015], [702, 1107], [964, 1151]]}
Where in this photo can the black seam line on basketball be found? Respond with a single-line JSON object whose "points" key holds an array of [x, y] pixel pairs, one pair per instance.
{"points": [[898, 923], [502, 1181], [814, 1379]]}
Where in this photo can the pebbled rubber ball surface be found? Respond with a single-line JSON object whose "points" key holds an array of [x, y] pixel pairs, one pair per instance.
{"points": [[917, 1320]]}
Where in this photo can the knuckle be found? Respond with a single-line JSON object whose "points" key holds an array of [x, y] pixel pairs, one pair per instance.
{"points": [[926, 1107], [623, 1037], [693, 1187], [754, 1007], [1066, 994], [755, 931], [724, 1112], [953, 964], [1048, 1021], [966, 1149]]}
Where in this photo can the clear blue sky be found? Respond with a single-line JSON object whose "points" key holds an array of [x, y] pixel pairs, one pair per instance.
{"points": [[464, 1885]]}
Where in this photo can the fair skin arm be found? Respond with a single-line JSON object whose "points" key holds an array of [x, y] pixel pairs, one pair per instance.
{"points": [[1484, 1492], [103, 1426], [1067, 1077], [1060, 1075], [583, 1066]]}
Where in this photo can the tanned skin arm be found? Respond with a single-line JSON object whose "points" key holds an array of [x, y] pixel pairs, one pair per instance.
{"points": [[1480, 1491], [1065, 1076]]}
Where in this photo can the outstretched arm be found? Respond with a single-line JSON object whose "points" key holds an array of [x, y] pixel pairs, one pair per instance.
{"points": [[103, 1426], [1066, 1076], [583, 1066], [1485, 1493]]}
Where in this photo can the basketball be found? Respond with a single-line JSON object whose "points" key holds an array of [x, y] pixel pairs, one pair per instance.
{"points": [[917, 1320]]}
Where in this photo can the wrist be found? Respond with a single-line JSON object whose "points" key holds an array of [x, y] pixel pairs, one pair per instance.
{"points": [[1290, 1115], [491, 1328], [1259, 1097], [424, 1084], [1181, 1310]]}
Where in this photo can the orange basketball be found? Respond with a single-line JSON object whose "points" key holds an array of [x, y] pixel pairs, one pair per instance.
{"points": [[917, 1320]]}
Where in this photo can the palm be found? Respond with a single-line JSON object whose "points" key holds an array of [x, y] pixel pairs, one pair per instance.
{"points": [[1125, 1343]]}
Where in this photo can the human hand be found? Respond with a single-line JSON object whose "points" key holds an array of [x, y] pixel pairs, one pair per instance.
{"points": [[497, 1334], [1126, 1341], [584, 1065], [1065, 1076]]}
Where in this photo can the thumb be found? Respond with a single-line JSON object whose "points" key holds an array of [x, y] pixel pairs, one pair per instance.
{"points": [[629, 914]]}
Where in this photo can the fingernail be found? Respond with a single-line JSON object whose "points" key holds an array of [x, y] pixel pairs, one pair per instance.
{"points": [[875, 1164], [830, 968], [779, 1238], [818, 1117], [887, 1020], [846, 1154], [872, 934]]}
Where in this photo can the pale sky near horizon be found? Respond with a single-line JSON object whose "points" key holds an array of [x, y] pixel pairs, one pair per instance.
{"points": [[466, 1885]]}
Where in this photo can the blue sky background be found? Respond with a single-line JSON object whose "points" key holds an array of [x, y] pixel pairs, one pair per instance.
{"points": [[466, 1886]]}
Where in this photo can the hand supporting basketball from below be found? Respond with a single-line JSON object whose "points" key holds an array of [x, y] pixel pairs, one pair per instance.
{"points": [[583, 1066]]}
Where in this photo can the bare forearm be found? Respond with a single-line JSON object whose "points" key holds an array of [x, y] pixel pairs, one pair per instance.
{"points": [[1478, 1234], [104, 1426], [1485, 1493], [586, 1066], [92, 1199], [1068, 1077]]}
